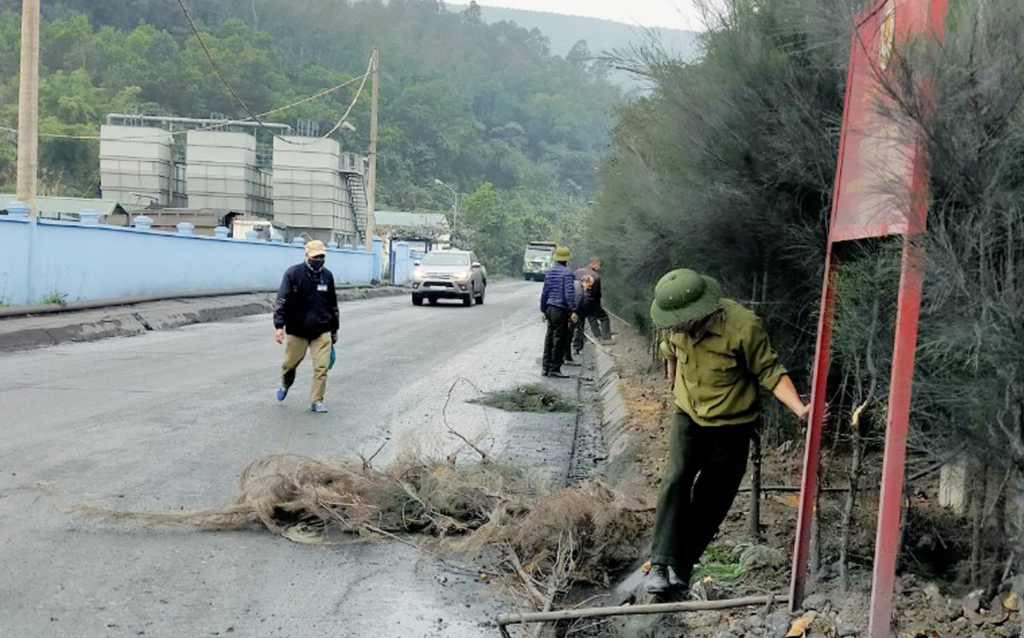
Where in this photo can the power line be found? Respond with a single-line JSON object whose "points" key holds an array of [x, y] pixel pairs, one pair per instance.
{"points": [[216, 67], [252, 116], [343, 117], [308, 99], [304, 100]]}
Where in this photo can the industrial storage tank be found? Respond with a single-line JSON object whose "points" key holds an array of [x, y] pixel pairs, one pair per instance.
{"points": [[137, 165], [311, 191], [222, 174]]}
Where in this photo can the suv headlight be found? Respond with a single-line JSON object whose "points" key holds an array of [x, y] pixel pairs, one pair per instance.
{"points": [[418, 275], [461, 276]]}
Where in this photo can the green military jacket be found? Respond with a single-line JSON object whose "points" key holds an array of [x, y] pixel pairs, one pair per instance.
{"points": [[717, 375]]}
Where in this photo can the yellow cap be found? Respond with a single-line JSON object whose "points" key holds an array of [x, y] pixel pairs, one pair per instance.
{"points": [[315, 248]]}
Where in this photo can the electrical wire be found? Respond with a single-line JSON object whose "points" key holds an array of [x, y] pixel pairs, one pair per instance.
{"points": [[253, 117], [341, 121], [207, 127], [216, 67]]}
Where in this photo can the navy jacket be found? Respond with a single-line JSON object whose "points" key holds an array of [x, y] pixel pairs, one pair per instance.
{"points": [[307, 304], [559, 289]]}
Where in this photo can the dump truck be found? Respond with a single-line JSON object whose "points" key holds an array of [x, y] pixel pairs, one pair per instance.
{"points": [[538, 259]]}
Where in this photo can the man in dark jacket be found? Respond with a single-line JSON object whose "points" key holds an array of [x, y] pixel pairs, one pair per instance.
{"points": [[558, 303], [593, 311], [307, 307]]}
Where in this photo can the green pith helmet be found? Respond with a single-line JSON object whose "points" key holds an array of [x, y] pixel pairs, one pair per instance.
{"points": [[683, 296], [562, 254]]}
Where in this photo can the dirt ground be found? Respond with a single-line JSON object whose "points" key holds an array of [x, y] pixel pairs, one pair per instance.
{"points": [[930, 596]]}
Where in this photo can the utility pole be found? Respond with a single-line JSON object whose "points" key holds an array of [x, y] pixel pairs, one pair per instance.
{"points": [[28, 105], [371, 178]]}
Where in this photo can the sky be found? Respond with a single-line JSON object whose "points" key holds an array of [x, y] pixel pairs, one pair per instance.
{"points": [[675, 14]]}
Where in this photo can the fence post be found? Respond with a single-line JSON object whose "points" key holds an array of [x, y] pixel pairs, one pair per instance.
{"points": [[378, 258], [20, 210], [401, 269]]}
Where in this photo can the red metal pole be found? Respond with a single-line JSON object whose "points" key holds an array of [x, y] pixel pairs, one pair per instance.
{"points": [[897, 426], [812, 448]]}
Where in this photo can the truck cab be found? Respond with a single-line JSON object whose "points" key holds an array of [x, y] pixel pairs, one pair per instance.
{"points": [[538, 259]]}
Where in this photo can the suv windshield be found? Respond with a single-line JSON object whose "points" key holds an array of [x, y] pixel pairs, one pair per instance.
{"points": [[446, 259], [538, 253]]}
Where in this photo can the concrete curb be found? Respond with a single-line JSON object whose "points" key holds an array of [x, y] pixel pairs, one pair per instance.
{"points": [[26, 331], [614, 413], [100, 304]]}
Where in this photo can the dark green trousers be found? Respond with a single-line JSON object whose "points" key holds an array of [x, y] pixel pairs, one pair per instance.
{"points": [[702, 474]]}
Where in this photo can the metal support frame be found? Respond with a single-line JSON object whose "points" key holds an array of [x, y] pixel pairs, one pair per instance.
{"points": [[896, 432], [896, 429], [923, 16], [135, 120], [812, 448]]}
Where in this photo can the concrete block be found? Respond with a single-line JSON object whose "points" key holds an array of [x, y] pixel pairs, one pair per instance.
{"points": [[17, 210], [89, 218], [617, 412], [610, 387], [955, 483]]}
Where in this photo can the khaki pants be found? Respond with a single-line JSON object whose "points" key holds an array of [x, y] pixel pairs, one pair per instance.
{"points": [[295, 352]]}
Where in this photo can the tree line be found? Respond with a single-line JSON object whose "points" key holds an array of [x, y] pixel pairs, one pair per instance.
{"points": [[728, 167], [482, 107]]}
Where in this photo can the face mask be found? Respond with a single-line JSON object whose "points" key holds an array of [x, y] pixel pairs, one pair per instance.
{"points": [[316, 264]]}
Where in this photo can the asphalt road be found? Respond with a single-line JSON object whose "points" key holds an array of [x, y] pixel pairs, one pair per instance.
{"points": [[167, 420]]}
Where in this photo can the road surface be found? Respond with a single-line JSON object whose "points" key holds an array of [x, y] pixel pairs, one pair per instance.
{"points": [[167, 420]]}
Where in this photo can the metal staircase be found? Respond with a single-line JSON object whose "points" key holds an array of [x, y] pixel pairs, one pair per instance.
{"points": [[357, 191]]}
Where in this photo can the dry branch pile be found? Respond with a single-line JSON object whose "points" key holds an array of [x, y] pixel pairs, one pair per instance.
{"points": [[580, 532]]}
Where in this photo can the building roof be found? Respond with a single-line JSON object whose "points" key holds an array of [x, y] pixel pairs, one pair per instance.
{"points": [[398, 219], [58, 206]]}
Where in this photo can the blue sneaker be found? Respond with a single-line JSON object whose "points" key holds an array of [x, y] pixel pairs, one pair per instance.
{"points": [[282, 392], [318, 407]]}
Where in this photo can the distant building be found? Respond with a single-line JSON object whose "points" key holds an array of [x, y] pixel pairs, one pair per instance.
{"points": [[216, 174], [422, 231]]}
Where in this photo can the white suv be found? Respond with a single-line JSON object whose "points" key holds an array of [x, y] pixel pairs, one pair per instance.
{"points": [[449, 274]]}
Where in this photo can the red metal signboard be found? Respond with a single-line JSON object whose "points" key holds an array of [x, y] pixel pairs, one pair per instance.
{"points": [[881, 189], [878, 157]]}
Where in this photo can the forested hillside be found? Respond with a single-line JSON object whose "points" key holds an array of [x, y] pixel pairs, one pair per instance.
{"points": [[462, 101], [728, 167]]}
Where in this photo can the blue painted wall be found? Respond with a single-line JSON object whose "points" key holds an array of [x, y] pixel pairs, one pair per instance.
{"points": [[39, 259], [402, 271]]}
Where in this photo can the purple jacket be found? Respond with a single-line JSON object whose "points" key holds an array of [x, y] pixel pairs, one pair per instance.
{"points": [[559, 289]]}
